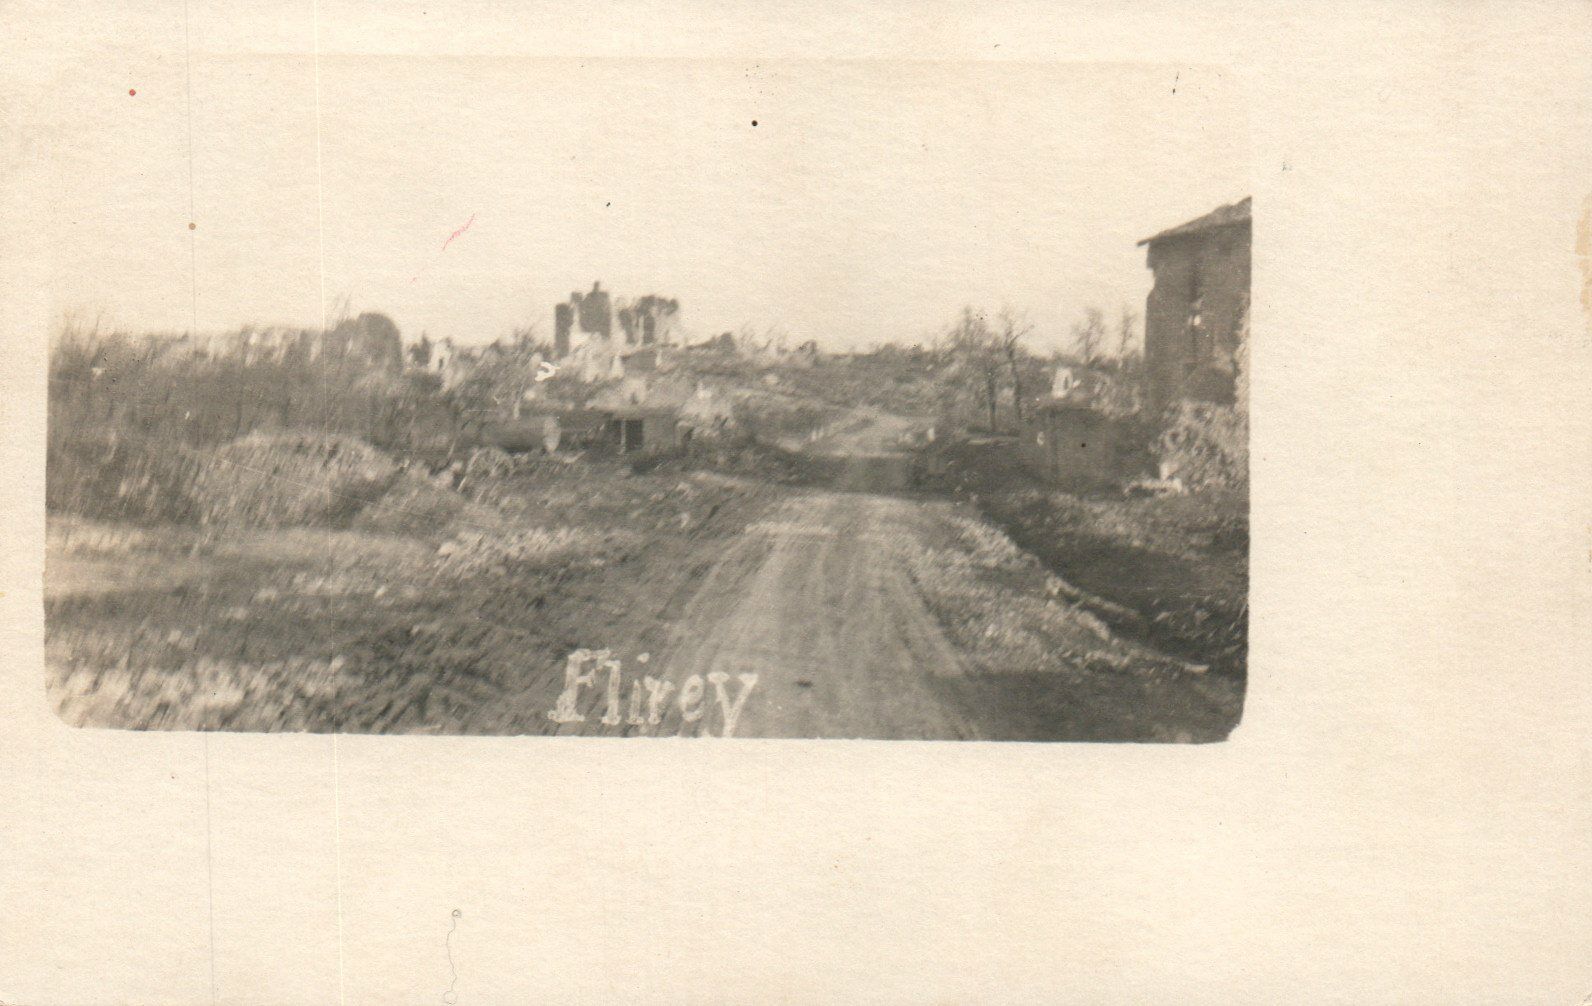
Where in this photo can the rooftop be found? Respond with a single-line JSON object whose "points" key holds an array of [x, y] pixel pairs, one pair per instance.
{"points": [[1221, 216]]}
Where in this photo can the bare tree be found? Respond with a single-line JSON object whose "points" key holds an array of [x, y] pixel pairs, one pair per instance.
{"points": [[1089, 335], [1014, 327], [976, 347], [1127, 333]]}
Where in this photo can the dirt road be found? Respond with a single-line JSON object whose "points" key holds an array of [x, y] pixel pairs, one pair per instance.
{"points": [[829, 615], [813, 602]]}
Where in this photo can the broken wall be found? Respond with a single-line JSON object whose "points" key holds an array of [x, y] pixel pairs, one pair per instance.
{"points": [[649, 320]]}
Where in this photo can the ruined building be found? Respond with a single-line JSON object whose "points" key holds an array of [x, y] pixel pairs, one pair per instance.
{"points": [[649, 320], [1197, 306], [582, 318], [588, 317]]}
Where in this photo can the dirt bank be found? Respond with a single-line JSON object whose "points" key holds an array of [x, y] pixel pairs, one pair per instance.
{"points": [[1179, 565]]}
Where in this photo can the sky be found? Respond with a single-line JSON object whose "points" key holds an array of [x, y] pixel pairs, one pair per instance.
{"points": [[868, 203]]}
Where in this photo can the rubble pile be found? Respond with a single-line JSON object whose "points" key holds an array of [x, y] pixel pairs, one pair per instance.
{"points": [[1205, 446], [414, 504], [281, 479]]}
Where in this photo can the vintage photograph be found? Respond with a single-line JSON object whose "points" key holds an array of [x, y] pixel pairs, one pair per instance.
{"points": [[650, 398]]}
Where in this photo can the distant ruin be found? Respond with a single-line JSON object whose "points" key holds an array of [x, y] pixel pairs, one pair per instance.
{"points": [[586, 317]]}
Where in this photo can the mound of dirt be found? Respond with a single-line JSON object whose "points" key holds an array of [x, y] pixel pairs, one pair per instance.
{"points": [[416, 505], [282, 479]]}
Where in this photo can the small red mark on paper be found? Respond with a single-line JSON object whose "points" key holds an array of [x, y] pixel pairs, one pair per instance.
{"points": [[456, 233], [131, 91]]}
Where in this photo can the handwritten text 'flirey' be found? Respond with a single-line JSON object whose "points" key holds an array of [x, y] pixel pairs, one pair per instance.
{"points": [[649, 699]]}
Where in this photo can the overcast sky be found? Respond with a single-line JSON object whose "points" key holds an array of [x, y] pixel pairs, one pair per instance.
{"points": [[870, 201]]}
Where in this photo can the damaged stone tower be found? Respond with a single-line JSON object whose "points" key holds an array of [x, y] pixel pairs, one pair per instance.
{"points": [[646, 321], [581, 318]]}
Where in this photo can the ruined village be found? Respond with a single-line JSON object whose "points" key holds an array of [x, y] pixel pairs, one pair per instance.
{"points": [[611, 523]]}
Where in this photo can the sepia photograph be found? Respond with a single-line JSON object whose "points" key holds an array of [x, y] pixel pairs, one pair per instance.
{"points": [[651, 398], [424, 417]]}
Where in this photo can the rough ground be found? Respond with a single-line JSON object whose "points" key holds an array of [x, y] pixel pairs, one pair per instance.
{"points": [[862, 612], [1178, 565]]}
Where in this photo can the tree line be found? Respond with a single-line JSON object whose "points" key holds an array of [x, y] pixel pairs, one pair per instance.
{"points": [[994, 369]]}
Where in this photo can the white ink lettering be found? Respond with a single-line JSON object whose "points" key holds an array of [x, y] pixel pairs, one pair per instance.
{"points": [[611, 716], [635, 718], [566, 711], [691, 699], [657, 694], [731, 712]]}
